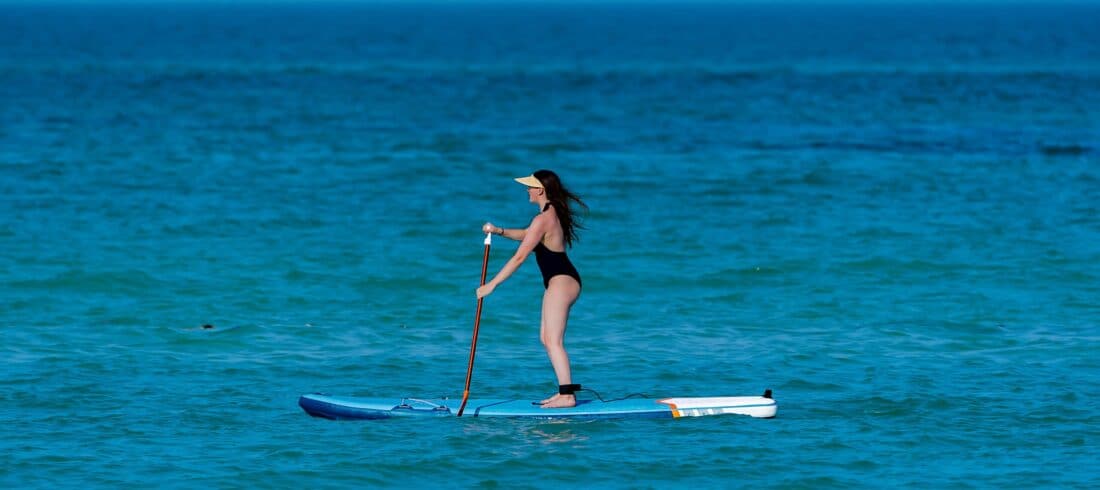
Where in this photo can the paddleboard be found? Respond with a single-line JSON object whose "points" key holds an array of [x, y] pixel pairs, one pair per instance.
{"points": [[360, 408]]}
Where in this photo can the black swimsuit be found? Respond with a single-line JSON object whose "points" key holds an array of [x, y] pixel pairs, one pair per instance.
{"points": [[553, 263]]}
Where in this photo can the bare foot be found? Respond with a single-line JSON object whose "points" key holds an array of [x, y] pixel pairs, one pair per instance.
{"points": [[548, 400], [561, 401]]}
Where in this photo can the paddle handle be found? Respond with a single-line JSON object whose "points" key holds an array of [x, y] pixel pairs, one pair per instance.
{"points": [[477, 324]]}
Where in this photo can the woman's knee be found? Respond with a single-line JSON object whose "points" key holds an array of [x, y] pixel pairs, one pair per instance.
{"points": [[551, 342]]}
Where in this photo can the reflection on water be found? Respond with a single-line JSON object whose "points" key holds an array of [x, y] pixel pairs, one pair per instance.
{"points": [[522, 433], [556, 431]]}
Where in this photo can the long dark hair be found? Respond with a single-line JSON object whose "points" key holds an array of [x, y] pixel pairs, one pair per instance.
{"points": [[559, 196]]}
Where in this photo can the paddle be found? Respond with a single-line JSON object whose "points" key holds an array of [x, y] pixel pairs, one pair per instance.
{"points": [[477, 323]]}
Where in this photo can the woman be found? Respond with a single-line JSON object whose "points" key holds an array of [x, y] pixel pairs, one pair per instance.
{"points": [[548, 235]]}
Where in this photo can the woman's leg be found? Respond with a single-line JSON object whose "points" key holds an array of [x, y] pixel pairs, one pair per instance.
{"points": [[556, 302], [542, 337]]}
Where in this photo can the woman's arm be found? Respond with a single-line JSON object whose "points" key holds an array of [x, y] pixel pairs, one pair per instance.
{"points": [[517, 234], [531, 236]]}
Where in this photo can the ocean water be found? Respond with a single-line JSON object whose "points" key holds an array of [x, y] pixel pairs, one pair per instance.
{"points": [[887, 214]]}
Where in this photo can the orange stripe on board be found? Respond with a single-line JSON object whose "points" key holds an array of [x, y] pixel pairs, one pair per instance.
{"points": [[675, 411]]}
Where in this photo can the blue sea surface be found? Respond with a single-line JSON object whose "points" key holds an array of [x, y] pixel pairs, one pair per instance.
{"points": [[885, 213]]}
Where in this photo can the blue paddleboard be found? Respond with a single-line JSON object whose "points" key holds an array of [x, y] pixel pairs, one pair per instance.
{"points": [[357, 408]]}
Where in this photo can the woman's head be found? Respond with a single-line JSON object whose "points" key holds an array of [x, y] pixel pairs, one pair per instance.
{"points": [[549, 184]]}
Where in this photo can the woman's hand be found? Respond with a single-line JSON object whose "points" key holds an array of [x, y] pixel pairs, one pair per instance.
{"points": [[485, 290], [489, 228]]}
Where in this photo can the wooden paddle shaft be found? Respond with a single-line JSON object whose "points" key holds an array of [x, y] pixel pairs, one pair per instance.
{"points": [[477, 324]]}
